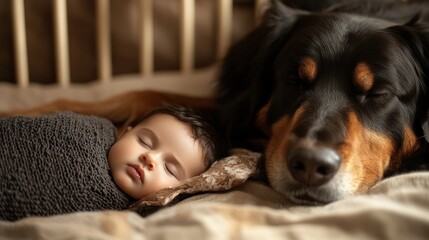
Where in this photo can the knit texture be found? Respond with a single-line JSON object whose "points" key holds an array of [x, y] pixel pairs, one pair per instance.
{"points": [[55, 164]]}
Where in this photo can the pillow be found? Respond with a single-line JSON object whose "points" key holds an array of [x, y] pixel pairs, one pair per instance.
{"points": [[223, 175], [55, 164]]}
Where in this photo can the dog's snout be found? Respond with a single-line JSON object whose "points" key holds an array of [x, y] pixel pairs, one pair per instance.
{"points": [[313, 165]]}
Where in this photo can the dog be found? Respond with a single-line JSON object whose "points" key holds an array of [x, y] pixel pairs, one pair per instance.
{"points": [[341, 97], [335, 99]]}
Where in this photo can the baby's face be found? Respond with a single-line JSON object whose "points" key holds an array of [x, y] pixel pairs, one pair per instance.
{"points": [[158, 153]]}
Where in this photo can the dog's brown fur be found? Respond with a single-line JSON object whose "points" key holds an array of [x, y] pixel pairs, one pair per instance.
{"points": [[123, 110]]}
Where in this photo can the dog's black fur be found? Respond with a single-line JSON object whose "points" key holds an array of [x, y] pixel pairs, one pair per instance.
{"points": [[314, 83]]}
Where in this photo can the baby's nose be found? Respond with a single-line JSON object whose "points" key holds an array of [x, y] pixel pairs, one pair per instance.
{"points": [[148, 160]]}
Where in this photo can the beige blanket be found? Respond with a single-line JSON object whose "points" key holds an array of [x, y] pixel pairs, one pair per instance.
{"points": [[395, 208]]}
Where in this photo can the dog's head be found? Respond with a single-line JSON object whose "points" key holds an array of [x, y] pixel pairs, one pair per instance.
{"points": [[341, 98]]}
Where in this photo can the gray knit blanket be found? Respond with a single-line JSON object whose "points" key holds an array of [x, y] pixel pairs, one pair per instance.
{"points": [[55, 164]]}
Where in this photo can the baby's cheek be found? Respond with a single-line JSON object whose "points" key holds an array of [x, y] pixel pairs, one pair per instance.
{"points": [[123, 182], [165, 183]]}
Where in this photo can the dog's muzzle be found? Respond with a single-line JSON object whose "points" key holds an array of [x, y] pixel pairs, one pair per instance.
{"points": [[313, 165]]}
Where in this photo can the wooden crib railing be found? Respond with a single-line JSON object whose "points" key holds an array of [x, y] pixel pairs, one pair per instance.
{"points": [[224, 18]]}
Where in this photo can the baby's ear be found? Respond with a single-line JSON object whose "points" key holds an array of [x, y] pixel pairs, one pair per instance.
{"points": [[122, 130]]}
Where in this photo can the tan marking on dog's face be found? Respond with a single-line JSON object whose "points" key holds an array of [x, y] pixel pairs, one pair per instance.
{"points": [[366, 155], [307, 69], [277, 146], [261, 119], [409, 145], [363, 77]]}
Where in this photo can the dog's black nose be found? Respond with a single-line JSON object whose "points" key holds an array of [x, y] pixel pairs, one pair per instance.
{"points": [[313, 166]]}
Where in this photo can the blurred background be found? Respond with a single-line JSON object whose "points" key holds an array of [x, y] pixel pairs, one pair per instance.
{"points": [[125, 19]]}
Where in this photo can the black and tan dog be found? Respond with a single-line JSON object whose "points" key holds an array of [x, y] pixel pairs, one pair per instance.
{"points": [[341, 98]]}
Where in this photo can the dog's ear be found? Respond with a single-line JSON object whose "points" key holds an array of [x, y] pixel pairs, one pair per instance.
{"points": [[246, 78], [415, 37], [420, 41]]}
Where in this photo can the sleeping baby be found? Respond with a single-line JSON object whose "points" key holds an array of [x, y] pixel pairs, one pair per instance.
{"points": [[66, 162]]}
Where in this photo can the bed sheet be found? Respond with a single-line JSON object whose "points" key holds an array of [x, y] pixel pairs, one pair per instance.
{"points": [[396, 208]]}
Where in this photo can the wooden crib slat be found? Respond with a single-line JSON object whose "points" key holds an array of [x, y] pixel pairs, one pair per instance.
{"points": [[21, 58], [61, 42], [103, 41], [224, 35], [224, 26], [187, 35], [146, 36]]}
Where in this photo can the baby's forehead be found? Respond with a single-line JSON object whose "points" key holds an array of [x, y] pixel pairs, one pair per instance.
{"points": [[161, 118], [169, 119], [159, 115]]}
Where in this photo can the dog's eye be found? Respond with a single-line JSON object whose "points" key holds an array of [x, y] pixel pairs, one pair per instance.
{"points": [[372, 95], [361, 97], [294, 82], [377, 93]]}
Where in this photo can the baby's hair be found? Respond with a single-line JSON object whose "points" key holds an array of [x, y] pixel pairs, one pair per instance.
{"points": [[204, 131]]}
